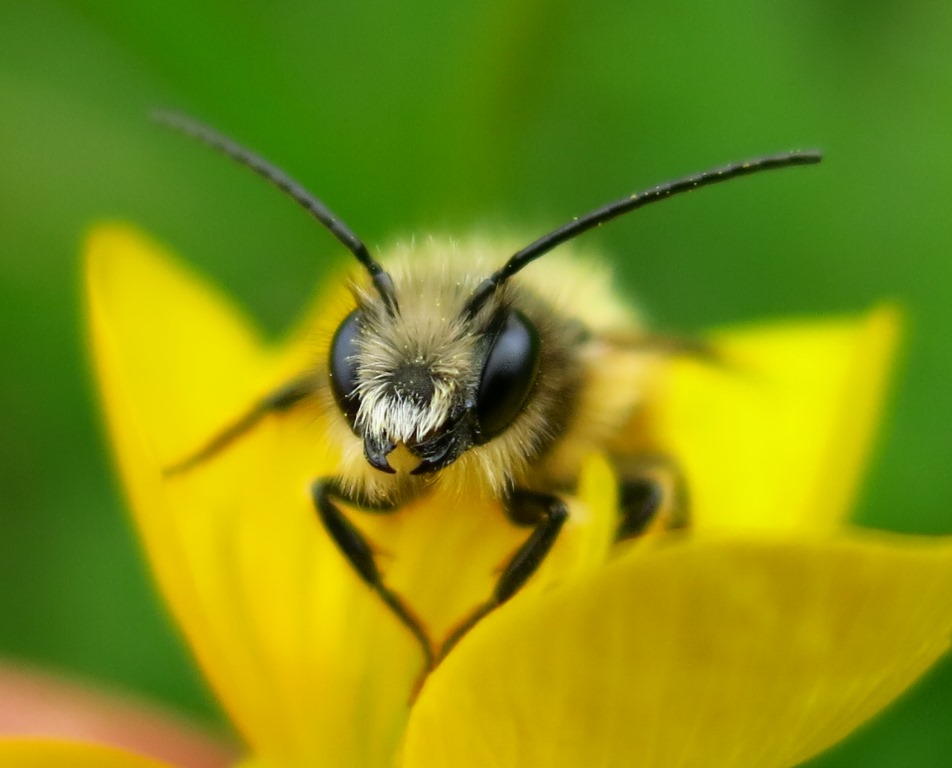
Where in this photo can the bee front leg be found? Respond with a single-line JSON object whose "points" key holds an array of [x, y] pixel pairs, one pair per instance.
{"points": [[353, 546], [548, 514]]}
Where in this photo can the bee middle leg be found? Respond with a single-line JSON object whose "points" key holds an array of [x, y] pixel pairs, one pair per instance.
{"points": [[359, 553], [652, 495], [282, 399], [547, 513]]}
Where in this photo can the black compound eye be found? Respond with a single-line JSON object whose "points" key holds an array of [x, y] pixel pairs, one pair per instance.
{"points": [[343, 366], [508, 375]]}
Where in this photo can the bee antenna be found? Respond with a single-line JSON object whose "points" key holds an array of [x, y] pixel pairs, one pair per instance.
{"points": [[271, 173], [608, 212]]}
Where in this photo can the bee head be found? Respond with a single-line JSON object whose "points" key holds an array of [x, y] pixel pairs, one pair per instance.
{"points": [[405, 375]]}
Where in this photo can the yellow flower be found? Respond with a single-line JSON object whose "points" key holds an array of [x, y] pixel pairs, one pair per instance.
{"points": [[764, 635]]}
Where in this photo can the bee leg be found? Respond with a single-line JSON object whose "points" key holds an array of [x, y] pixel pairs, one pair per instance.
{"points": [[652, 495], [548, 514], [353, 546], [282, 399]]}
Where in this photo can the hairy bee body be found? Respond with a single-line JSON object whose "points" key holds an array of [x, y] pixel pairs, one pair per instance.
{"points": [[586, 390]]}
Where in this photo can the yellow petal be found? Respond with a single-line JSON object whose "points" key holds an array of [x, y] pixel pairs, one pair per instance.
{"points": [[783, 421], [307, 662], [725, 652], [30, 753]]}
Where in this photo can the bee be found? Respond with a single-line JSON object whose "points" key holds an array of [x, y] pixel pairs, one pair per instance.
{"points": [[449, 372]]}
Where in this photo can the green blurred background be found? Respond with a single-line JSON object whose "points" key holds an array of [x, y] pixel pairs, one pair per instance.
{"points": [[450, 116]]}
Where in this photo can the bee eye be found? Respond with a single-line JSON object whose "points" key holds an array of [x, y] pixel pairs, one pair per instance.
{"points": [[508, 375], [343, 366]]}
